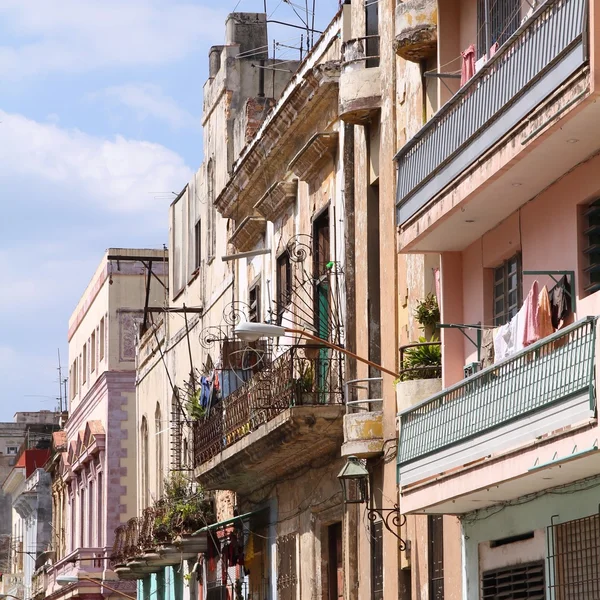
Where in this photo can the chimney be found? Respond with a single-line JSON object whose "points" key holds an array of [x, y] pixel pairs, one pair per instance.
{"points": [[249, 30]]}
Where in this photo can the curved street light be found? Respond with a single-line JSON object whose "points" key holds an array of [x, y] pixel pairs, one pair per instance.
{"points": [[68, 579], [251, 332]]}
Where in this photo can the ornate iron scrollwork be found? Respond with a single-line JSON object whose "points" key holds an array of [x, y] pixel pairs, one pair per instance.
{"points": [[234, 313], [391, 519]]}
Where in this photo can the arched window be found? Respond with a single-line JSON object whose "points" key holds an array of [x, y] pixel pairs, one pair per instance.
{"points": [[144, 457], [159, 434]]}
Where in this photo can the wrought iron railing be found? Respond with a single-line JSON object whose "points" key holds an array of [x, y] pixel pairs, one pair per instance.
{"points": [[117, 555], [533, 49], [551, 370], [363, 395], [301, 376], [421, 360]]}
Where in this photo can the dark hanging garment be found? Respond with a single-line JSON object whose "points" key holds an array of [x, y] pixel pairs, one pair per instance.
{"points": [[560, 301]]}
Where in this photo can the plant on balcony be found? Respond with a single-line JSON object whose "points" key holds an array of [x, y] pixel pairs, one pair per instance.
{"points": [[423, 361], [181, 511], [427, 314], [194, 409]]}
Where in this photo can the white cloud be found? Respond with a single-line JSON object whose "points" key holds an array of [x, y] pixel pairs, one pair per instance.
{"points": [[119, 174], [81, 35], [148, 100]]}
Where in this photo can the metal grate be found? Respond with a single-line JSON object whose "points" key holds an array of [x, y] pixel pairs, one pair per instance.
{"points": [[505, 17], [523, 582], [435, 531], [377, 561], [549, 371], [508, 290], [287, 579], [574, 559], [531, 51]]}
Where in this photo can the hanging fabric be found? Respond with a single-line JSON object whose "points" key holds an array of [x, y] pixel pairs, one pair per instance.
{"points": [[487, 346], [545, 314], [468, 64], [560, 300], [531, 325]]}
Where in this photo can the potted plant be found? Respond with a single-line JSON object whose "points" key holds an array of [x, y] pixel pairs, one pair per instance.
{"points": [[427, 314], [423, 361]]}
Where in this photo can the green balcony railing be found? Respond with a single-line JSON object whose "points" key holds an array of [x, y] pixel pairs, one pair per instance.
{"points": [[550, 371]]}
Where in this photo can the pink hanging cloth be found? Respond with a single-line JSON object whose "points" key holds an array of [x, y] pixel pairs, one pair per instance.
{"points": [[468, 64], [531, 328]]}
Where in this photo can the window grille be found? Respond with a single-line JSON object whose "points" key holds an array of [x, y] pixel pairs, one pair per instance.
{"points": [[574, 559], [287, 578], [523, 581], [377, 561], [508, 290], [435, 532]]}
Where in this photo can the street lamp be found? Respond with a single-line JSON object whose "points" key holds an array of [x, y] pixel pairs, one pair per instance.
{"points": [[67, 579], [251, 332], [354, 479], [2, 596]]}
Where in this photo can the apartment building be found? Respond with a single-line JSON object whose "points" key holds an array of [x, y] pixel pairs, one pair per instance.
{"points": [[502, 184], [94, 458]]}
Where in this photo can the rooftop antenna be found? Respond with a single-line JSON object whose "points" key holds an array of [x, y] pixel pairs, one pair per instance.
{"points": [[60, 385]]}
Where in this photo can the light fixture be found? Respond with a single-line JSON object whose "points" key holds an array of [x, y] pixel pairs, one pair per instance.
{"points": [[354, 479], [69, 579], [252, 332], [517, 184], [572, 141], [469, 220]]}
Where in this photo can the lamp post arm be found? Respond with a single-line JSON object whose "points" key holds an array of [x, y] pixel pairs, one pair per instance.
{"points": [[308, 335], [110, 589]]}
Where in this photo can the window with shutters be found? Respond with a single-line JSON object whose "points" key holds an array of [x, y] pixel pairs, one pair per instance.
{"points": [[504, 19], [287, 579], [254, 302], [508, 290], [284, 283], [574, 559], [377, 561], [523, 581], [435, 532], [591, 249]]}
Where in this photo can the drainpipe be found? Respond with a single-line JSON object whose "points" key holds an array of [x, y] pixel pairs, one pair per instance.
{"points": [[352, 517]]}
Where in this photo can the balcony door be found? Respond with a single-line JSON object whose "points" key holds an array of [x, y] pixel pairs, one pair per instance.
{"points": [[336, 565]]}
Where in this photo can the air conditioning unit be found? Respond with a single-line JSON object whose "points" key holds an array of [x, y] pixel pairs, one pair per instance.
{"points": [[471, 368]]}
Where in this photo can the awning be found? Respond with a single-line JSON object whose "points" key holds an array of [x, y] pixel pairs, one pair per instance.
{"points": [[228, 522]]}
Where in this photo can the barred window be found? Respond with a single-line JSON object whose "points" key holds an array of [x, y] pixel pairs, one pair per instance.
{"points": [[508, 290]]}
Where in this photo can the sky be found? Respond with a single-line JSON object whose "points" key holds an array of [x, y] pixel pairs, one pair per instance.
{"points": [[100, 111]]}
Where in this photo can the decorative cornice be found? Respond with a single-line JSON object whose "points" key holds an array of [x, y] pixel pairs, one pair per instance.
{"points": [[248, 233], [277, 198], [314, 153], [267, 160]]}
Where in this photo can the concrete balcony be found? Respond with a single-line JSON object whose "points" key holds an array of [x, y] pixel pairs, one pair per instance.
{"points": [[287, 415], [520, 123], [506, 431], [360, 80], [363, 421], [416, 29]]}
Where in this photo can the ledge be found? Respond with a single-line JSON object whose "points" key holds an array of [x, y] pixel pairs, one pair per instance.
{"points": [[277, 198], [311, 157], [248, 233]]}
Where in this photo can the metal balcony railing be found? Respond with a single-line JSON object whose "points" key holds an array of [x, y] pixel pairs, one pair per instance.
{"points": [[363, 51], [535, 48], [363, 395], [547, 372], [301, 376]]}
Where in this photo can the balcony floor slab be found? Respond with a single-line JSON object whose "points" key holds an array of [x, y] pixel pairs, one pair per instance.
{"points": [[290, 441]]}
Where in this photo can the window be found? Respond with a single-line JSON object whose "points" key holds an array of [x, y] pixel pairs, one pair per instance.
{"points": [[100, 514], [93, 352], [84, 364], [284, 283], [254, 302], [505, 17], [197, 245], [524, 581], [211, 232], [102, 338], [145, 468], [435, 531], [508, 290], [82, 520], [158, 450], [372, 34], [12, 449], [90, 515], [377, 561], [592, 249], [321, 251], [177, 245], [574, 559]]}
